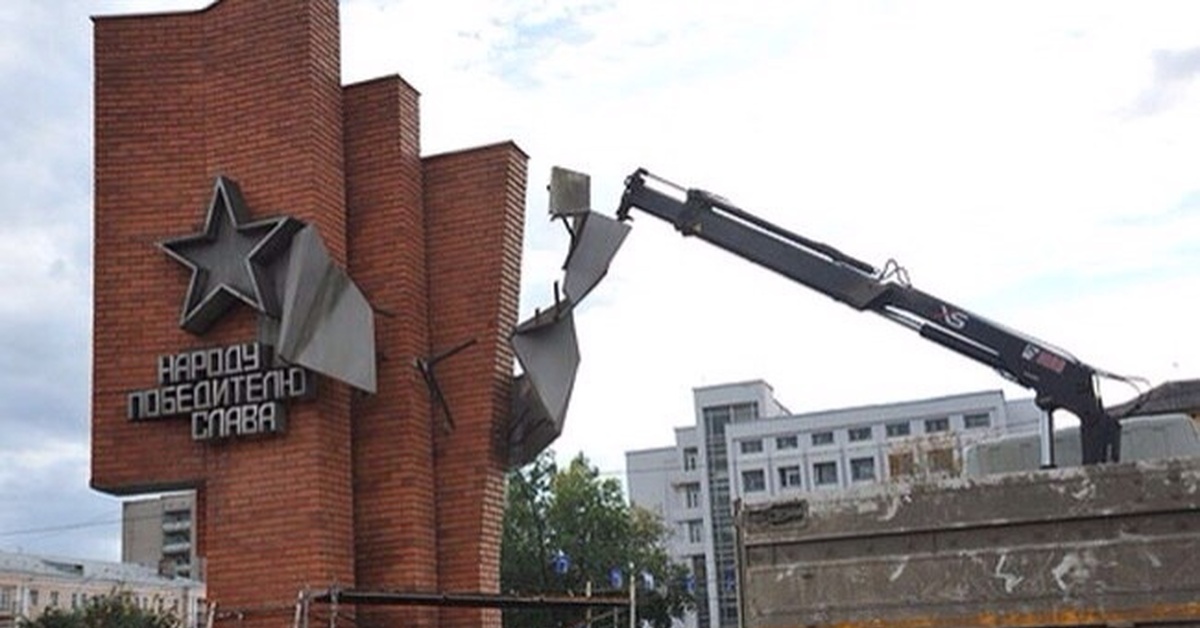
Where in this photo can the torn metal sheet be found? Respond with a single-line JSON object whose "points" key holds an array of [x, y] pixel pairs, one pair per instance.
{"points": [[549, 356], [570, 192], [597, 240], [327, 324], [545, 344]]}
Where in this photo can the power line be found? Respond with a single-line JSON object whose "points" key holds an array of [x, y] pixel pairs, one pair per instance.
{"points": [[59, 528], [83, 525], [78, 525]]}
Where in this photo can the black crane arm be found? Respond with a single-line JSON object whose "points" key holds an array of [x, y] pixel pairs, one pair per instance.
{"points": [[1059, 380]]}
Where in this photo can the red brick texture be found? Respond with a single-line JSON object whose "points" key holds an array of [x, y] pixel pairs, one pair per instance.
{"points": [[395, 519], [372, 491], [474, 206]]}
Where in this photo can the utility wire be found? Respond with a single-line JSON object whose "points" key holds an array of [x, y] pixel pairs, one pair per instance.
{"points": [[78, 525]]}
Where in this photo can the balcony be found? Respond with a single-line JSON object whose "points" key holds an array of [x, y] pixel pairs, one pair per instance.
{"points": [[181, 525], [177, 547]]}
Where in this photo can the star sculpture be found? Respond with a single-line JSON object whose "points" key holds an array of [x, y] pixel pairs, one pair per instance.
{"points": [[230, 259]]}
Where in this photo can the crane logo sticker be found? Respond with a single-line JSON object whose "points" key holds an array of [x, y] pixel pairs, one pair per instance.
{"points": [[953, 318]]}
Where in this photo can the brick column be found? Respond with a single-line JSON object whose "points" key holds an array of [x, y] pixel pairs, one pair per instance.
{"points": [[474, 203], [250, 90], [395, 543]]}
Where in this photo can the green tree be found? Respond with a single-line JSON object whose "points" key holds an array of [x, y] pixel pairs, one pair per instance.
{"points": [[566, 528], [116, 610]]}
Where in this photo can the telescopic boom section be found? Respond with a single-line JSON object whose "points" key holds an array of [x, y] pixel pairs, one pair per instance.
{"points": [[1059, 380]]}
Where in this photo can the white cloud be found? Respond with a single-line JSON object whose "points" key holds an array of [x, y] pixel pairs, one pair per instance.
{"points": [[40, 459], [40, 257]]}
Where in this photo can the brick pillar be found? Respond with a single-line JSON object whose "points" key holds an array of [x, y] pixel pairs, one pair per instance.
{"points": [[369, 491], [251, 90], [395, 544], [474, 204]]}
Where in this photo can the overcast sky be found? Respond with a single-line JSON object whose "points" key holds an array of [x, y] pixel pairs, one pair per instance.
{"points": [[1036, 163]]}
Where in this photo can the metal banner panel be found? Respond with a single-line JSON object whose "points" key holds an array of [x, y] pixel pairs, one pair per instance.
{"points": [[570, 192], [545, 344], [597, 240], [327, 323], [549, 355]]}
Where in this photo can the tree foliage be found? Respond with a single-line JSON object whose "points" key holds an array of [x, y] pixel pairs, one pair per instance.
{"points": [[566, 528], [116, 610]]}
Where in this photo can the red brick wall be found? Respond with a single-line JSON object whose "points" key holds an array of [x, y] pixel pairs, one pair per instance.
{"points": [[395, 540], [369, 491], [474, 203], [251, 90], [148, 185]]}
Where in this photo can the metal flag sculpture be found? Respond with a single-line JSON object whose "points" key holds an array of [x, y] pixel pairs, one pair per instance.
{"points": [[545, 344]]}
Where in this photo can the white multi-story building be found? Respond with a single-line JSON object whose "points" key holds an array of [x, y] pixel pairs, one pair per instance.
{"points": [[745, 445], [30, 585]]}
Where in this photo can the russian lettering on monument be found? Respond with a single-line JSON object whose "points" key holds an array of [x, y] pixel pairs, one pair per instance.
{"points": [[227, 391]]}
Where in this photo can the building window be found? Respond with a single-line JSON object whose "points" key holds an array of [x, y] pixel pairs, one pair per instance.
{"points": [[8, 600], [941, 460], [787, 442], [54, 599], [859, 434], [825, 473], [744, 411], [754, 481], [862, 469], [822, 438], [896, 430], [695, 531], [33, 598], [691, 495], [751, 446], [937, 425], [901, 464], [789, 477], [690, 457], [977, 421]]}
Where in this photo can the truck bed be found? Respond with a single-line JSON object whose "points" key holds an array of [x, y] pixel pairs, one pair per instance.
{"points": [[1107, 545]]}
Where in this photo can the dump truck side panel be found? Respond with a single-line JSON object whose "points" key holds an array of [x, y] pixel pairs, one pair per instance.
{"points": [[1109, 544]]}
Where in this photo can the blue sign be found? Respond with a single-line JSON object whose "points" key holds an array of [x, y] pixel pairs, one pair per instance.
{"points": [[561, 563], [616, 578]]}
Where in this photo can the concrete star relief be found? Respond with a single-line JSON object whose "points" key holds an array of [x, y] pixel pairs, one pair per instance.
{"points": [[230, 259]]}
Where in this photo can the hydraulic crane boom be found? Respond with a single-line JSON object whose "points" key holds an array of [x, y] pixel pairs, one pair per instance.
{"points": [[1059, 380]]}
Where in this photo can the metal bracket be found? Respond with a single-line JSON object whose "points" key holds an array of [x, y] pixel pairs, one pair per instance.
{"points": [[426, 367]]}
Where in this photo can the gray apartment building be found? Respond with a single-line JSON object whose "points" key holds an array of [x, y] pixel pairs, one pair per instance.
{"points": [[159, 533]]}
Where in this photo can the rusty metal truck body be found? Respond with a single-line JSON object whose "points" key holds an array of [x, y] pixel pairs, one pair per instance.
{"points": [[1107, 545]]}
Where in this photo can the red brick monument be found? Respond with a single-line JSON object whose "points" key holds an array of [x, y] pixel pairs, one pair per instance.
{"points": [[246, 206]]}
